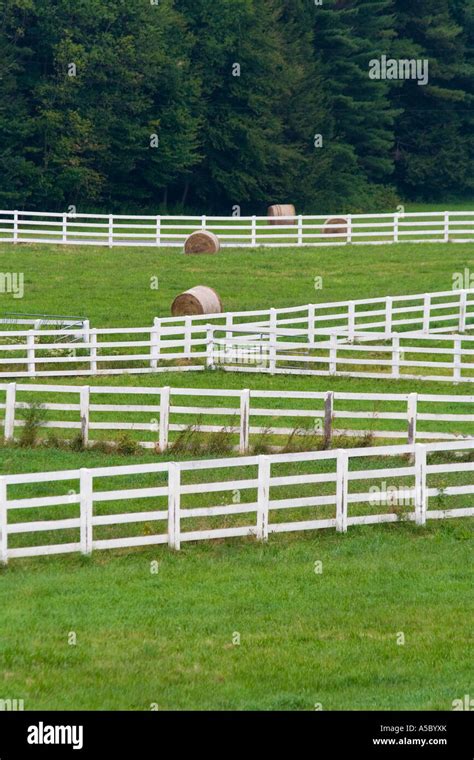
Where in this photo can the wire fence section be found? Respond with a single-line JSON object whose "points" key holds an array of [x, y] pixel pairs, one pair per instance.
{"points": [[170, 503], [191, 420], [236, 231], [168, 341]]}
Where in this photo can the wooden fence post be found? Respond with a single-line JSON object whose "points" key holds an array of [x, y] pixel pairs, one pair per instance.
{"points": [[396, 356], [311, 322], [388, 315], [9, 422], [462, 311], [349, 228], [342, 491], [446, 226], [15, 226], [457, 360], [86, 506], [244, 421], [273, 341], [210, 347], [426, 313], [30, 342], [154, 343], [85, 414], [328, 415], [188, 331], [64, 237], [254, 231], [300, 230], [412, 409], [263, 498], [351, 321], [395, 228], [420, 484], [174, 498], [164, 418], [333, 354], [111, 230], [3, 522], [158, 231], [93, 351]]}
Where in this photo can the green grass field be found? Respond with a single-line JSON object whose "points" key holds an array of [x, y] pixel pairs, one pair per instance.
{"points": [[305, 638]]}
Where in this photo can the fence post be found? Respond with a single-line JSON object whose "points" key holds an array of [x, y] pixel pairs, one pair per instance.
{"points": [[328, 416], [457, 360], [311, 322], [446, 226], [15, 226], [174, 519], [254, 231], [158, 231], [426, 313], [244, 421], [210, 347], [30, 342], [333, 354], [164, 418], [349, 228], [86, 331], [395, 228], [342, 491], [420, 484], [273, 340], [229, 324], [85, 414], [388, 315], [86, 504], [263, 499], [111, 230], [351, 321], [300, 230], [9, 423], [155, 343], [462, 311], [3, 522], [188, 327], [64, 228], [412, 411], [93, 350], [396, 356]]}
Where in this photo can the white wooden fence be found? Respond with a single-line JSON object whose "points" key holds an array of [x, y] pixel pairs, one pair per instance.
{"points": [[251, 231], [277, 416], [326, 489], [45, 353]]}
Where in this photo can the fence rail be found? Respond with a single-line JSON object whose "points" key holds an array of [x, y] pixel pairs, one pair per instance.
{"points": [[251, 231], [246, 417], [411, 356], [46, 353], [335, 489]]}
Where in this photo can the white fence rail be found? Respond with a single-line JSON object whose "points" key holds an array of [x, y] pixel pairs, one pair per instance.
{"points": [[282, 418], [412, 356], [164, 231], [277, 494], [45, 353]]}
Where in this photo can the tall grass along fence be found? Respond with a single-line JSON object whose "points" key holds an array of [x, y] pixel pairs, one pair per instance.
{"points": [[105, 508], [251, 231], [171, 418], [170, 340]]}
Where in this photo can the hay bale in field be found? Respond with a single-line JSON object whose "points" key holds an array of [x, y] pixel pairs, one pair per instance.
{"points": [[198, 300], [202, 241], [279, 210], [330, 228]]}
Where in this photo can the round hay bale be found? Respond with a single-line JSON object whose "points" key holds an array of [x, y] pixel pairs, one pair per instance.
{"points": [[278, 210], [198, 300], [202, 241], [330, 229]]}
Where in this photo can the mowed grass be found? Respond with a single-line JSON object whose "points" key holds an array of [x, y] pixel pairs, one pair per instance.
{"points": [[167, 639], [305, 638], [117, 287]]}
